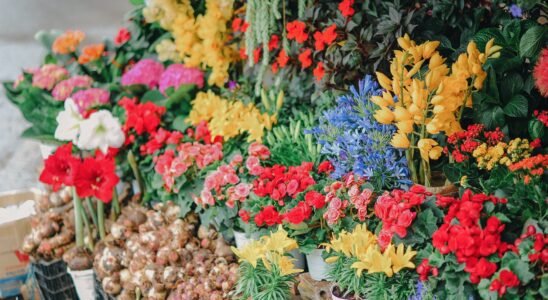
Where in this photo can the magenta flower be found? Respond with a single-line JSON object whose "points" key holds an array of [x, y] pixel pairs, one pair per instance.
{"points": [[85, 99], [64, 89], [146, 71], [177, 74]]}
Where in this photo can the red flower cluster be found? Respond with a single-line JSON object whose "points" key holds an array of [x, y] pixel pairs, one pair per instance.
{"points": [[345, 7], [540, 246], [540, 73], [159, 139], [325, 37], [296, 31], [326, 167], [463, 143], [507, 279], [277, 181], [268, 216], [470, 243], [542, 116], [92, 176], [305, 58], [425, 269], [319, 71], [239, 25], [342, 193], [122, 37], [394, 210], [141, 117]]}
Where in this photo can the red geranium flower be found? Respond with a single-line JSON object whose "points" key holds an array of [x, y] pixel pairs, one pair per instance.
{"points": [[319, 71], [282, 58], [346, 8], [122, 37], [274, 42], [296, 31], [60, 168], [97, 177], [327, 37], [305, 59]]}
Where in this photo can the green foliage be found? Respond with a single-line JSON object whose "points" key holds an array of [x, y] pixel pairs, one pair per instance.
{"points": [[261, 283], [345, 277], [289, 145]]}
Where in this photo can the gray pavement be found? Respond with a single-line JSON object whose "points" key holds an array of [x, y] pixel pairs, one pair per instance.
{"points": [[20, 159]]}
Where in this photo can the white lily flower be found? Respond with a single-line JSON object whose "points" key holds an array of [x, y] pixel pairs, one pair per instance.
{"points": [[68, 122], [100, 131]]}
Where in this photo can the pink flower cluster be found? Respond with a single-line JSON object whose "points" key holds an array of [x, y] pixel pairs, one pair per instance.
{"points": [[394, 210], [84, 99], [146, 71], [48, 76], [350, 187], [171, 165], [177, 74], [64, 89], [225, 183]]}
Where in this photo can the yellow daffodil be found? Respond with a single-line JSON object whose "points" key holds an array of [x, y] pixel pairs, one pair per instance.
{"points": [[401, 258]]}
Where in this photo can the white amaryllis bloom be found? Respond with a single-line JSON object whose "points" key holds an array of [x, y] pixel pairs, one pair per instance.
{"points": [[68, 122], [100, 131]]}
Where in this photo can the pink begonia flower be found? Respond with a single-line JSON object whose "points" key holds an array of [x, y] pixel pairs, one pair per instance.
{"points": [[64, 89], [177, 74], [84, 99], [48, 76], [146, 71]]}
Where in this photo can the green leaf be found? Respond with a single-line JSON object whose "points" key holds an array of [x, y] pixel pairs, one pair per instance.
{"points": [[543, 290], [521, 269], [492, 117], [536, 129], [510, 85], [502, 217], [517, 107], [483, 36], [532, 41]]}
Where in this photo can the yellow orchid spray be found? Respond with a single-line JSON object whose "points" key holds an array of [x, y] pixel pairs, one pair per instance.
{"points": [[231, 118], [431, 97]]}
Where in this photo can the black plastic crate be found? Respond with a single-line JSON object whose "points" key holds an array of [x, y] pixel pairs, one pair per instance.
{"points": [[100, 294], [53, 280]]}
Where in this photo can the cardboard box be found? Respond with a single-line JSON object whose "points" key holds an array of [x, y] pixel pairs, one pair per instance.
{"points": [[13, 263]]}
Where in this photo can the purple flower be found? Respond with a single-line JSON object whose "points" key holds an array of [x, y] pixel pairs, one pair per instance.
{"points": [[515, 11], [177, 74], [146, 72], [64, 89], [84, 99], [232, 85]]}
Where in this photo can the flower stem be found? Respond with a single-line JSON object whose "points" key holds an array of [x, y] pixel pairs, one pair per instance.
{"points": [[78, 222], [92, 211], [101, 218], [136, 173], [115, 203], [88, 229]]}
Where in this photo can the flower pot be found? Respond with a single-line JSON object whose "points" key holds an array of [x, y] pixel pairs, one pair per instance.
{"points": [[337, 295], [317, 267], [46, 149], [241, 239], [441, 186], [53, 280], [84, 283], [300, 260]]}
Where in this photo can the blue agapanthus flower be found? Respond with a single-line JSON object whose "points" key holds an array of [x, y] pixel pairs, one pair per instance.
{"points": [[516, 11], [355, 142]]}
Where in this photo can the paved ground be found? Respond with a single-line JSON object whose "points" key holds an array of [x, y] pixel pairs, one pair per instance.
{"points": [[19, 20]]}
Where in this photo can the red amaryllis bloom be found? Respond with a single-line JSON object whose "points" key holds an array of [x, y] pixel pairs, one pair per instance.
{"points": [[296, 31], [540, 73], [122, 37], [60, 168], [96, 177]]}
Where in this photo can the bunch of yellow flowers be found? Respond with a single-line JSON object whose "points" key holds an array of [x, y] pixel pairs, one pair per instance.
{"points": [[200, 41], [487, 157], [431, 97], [362, 245], [271, 250], [231, 118]]}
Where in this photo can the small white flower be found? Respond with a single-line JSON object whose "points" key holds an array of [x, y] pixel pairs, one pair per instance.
{"points": [[68, 122], [100, 131]]}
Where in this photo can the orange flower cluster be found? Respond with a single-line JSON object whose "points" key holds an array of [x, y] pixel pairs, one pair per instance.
{"points": [[533, 166], [91, 53], [67, 42]]}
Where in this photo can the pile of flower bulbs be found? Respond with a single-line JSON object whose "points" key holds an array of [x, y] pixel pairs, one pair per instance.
{"points": [[52, 229], [156, 255]]}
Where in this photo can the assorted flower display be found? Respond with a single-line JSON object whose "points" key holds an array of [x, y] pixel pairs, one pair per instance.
{"points": [[400, 146]]}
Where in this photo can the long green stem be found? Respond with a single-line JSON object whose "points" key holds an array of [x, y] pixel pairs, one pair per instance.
{"points": [[92, 211], [136, 172], [101, 218], [115, 203], [89, 230], [78, 222]]}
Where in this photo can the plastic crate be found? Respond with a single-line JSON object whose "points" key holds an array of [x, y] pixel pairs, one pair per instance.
{"points": [[100, 294], [54, 281]]}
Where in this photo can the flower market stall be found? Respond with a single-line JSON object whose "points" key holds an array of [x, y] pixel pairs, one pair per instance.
{"points": [[273, 149]]}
